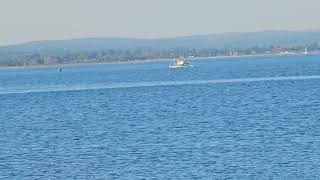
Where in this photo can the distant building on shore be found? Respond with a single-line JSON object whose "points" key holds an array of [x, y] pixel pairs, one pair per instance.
{"points": [[233, 53]]}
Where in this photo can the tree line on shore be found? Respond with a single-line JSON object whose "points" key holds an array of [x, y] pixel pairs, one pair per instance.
{"points": [[127, 55]]}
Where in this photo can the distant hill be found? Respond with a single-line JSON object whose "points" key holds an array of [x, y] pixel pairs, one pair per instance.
{"points": [[224, 41], [218, 41]]}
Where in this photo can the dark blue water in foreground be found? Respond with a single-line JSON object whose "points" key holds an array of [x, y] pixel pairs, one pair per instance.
{"points": [[243, 118]]}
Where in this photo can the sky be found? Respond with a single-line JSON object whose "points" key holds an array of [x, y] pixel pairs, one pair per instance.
{"points": [[33, 20]]}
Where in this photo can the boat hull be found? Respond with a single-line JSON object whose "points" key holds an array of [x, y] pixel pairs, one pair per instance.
{"points": [[176, 67]]}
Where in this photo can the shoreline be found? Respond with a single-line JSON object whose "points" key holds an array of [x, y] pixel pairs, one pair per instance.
{"points": [[82, 64], [142, 61]]}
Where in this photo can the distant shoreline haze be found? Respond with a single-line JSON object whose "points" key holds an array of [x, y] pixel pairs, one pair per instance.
{"points": [[110, 50]]}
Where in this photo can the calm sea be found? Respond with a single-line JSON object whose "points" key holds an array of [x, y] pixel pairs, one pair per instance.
{"points": [[237, 118]]}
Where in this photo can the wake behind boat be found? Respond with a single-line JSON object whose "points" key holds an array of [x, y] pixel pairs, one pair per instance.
{"points": [[182, 62]]}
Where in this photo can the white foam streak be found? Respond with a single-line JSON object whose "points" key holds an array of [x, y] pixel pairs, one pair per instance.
{"points": [[61, 88]]}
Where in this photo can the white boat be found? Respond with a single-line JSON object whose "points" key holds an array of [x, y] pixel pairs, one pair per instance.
{"points": [[182, 62]]}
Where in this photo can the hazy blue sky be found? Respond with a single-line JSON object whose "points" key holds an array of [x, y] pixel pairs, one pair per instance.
{"points": [[27, 20]]}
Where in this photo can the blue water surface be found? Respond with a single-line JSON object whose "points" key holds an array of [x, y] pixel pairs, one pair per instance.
{"points": [[233, 118]]}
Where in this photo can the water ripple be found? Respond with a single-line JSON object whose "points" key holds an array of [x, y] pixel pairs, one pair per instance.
{"points": [[62, 88]]}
